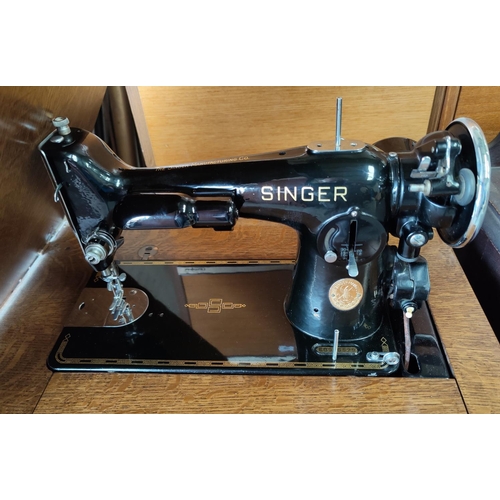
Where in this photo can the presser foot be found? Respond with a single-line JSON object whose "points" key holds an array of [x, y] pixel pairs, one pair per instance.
{"points": [[120, 310], [92, 309]]}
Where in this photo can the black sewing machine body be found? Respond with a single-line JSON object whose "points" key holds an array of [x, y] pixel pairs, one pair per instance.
{"points": [[343, 198]]}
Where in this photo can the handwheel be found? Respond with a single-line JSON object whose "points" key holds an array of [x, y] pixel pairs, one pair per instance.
{"points": [[473, 170]]}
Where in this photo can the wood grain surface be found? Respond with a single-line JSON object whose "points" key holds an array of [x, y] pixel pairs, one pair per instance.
{"points": [[482, 105], [28, 214], [444, 107], [250, 239], [32, 319], [458, 317], [141, 127], [131, 393], [198, 123], [472, 348]]}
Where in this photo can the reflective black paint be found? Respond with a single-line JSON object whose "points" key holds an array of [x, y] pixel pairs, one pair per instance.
{"points": [[323, 196]]}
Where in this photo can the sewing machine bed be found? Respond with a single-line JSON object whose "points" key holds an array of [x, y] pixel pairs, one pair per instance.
{"points": [[210, 317]]}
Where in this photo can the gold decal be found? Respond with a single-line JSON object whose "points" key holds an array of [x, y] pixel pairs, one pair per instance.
{"points": [[289, 193], [310, 196], [339, 192], [219, 162], [267, 193], [214, 306], [304, 194], [385, 345], [322, 193], [345, 294]]}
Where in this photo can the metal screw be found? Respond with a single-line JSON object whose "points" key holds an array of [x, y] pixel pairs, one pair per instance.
{"points": [[330, 256], [391, 358], [417, 240]]}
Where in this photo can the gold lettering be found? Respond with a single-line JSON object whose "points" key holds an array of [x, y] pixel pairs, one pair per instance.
{"points": [[304, 194], [340, 192], [292, 196], [267, 193], [310, 196], [322, 193]]}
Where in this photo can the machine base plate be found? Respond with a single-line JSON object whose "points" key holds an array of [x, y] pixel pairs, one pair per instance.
{"points": [[229, 319]]}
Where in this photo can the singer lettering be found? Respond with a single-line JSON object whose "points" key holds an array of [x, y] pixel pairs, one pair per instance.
{"points": [[321, 194]]}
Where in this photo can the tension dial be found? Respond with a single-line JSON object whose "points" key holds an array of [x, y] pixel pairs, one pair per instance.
{"points": [[351, 240]]}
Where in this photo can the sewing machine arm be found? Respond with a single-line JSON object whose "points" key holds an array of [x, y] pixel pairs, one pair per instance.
{"points": [[343, 200]]}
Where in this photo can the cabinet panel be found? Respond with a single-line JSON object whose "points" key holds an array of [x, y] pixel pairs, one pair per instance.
{"points": [[198, 123], [28, 214]]}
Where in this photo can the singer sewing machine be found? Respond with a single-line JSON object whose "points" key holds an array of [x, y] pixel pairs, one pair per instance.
{"points": [[350, 304]]}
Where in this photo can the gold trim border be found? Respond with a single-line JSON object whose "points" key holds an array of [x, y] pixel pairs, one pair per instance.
{"points": [[201, 262], [209, 364]]}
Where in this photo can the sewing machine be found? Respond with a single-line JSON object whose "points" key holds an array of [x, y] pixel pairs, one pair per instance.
{"points": [[350, 304]]}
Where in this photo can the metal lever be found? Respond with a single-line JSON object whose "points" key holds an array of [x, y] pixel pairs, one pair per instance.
{"points": [[352, 266], [390, 358]]}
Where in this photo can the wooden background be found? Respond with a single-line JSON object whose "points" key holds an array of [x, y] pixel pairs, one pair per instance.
{"points": [[28, 215], [198, 123], [482, 104]]}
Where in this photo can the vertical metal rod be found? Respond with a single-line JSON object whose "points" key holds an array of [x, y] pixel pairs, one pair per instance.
{"points": [[335, 347], [338, 130], [406, 328]]}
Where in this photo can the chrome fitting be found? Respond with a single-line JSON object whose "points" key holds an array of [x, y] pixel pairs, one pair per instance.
{"points": [[62, 125], [95, 253]]}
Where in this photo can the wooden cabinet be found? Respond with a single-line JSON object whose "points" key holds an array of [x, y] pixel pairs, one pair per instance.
{"points": [[28, 215], [29, 220], [189, 124]]}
